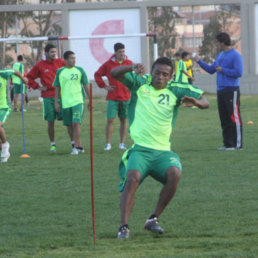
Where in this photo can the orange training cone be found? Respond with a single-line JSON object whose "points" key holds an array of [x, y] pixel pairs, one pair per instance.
{"points": [[25, 156]]}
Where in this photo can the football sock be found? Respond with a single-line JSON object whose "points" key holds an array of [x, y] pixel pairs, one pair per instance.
{"points": [[125, 225], [153, 216]]}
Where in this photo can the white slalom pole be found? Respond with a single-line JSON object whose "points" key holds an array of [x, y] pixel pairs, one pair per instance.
{"points": [[155, 48]]}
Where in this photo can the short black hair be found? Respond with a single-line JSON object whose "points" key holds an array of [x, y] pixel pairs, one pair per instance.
{"points": [[118, 46], [20, 58], [67, 54], [177, 54], [184, 54], [163, 60], [223, 37], [48, 47]]}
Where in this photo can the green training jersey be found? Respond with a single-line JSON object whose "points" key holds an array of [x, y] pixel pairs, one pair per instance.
{"points": [[152, 112], [180, 76], [71, 81], [19, 67], [4, 77]]}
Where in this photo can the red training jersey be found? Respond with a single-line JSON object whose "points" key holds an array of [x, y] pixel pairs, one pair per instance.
{"points": [[46, 72], [120, 93]]}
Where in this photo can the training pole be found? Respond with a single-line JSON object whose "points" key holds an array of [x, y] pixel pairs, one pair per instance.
{"points": [[24, 155], [59, 38], [91, 167]]}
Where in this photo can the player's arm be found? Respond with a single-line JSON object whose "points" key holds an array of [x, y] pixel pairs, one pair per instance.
{"points": [[18, 74], [189, 76], [208, 68], [32, 75], [102, 71], [119, 72], [201, 103], [57, 96], [57, 85]]}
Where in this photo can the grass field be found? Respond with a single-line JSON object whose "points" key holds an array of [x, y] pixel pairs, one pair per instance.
{"points": [[45, 201]]}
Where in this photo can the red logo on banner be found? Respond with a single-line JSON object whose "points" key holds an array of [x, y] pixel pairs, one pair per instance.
{"points": [[97, 45]]}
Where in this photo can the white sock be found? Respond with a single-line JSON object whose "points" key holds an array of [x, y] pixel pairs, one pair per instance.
{"points": [[52, 143], [5, 144]]}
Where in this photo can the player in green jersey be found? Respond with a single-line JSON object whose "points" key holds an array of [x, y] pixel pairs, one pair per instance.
{"points": [[182, 75], [18, 66], [151, 110], [5, 108], [70, 83]]}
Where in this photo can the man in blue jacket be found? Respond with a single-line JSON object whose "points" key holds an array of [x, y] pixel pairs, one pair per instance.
{"points": [[229, 68]]}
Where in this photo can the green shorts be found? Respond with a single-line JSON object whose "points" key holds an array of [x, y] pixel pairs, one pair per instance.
{"points": [[149, 162], [116, 107], [17, 89], [73, 114], [4, 113], [49, 112]]}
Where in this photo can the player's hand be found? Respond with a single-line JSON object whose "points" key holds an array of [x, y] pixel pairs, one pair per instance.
{"points": [[189, 101], [196, 58], [110, 88], [219, 69], [57, 107], [25, 80], [139, 69], [44, 88]]}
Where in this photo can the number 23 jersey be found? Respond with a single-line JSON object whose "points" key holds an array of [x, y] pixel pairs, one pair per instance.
{"points": [[71, 81]]}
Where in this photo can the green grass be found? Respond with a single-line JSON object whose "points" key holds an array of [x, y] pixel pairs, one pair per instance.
{"points": [[45, 201]]}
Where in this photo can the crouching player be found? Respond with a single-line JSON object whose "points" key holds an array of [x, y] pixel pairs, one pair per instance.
{"points": [[69, 82], [5, 108], [152, 109]]}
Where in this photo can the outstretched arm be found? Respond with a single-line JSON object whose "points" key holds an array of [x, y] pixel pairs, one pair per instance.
{"points": [[118, 72], [208, 68], [201, 103]]}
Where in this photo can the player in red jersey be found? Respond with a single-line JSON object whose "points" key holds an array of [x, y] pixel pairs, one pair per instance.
{"points": [[45, 70], [118, 95]]}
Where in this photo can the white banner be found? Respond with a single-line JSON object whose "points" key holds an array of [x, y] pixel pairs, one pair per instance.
{"points": [[90, 54]]}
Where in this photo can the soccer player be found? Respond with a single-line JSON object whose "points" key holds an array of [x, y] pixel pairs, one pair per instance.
{"points": [[118, 95], [178, 57], [189, 67], [5, 108], [69, 83], [150, 112], [45, 70], [229, 68], [181, 71], [18, 66]]}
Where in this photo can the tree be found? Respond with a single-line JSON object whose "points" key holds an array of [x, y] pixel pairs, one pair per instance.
{"points": [[39, 23], [208, 51], [6, 20], [162, 23], [222, 21]]}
